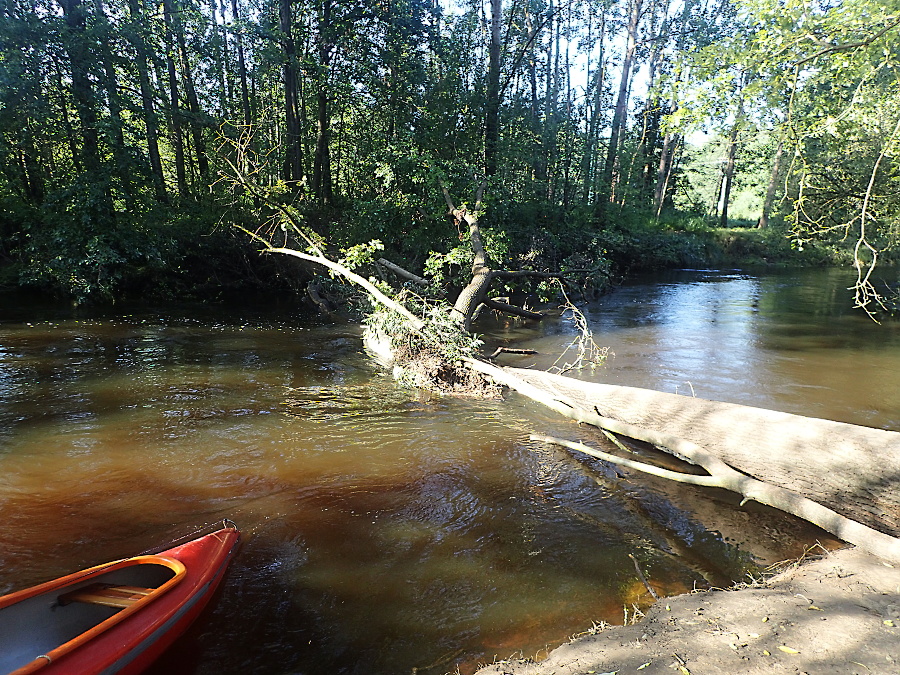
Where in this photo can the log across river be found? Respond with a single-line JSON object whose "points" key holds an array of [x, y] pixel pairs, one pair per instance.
{"points": [[851, 470]]}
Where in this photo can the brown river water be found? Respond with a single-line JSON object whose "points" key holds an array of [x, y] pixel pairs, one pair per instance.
{"points": [[385, 531]]}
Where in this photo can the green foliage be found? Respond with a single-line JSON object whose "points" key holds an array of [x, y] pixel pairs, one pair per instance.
{"points": [[361, 254], [822, 78], [454, 267], [387, 101]]}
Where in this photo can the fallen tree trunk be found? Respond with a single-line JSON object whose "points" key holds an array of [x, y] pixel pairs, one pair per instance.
{"points": [[844, 495]]}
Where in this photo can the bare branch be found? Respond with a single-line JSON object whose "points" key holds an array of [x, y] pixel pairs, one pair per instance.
{"points": [[399, 271], [512, 309], [833, 49], [370, 288]]}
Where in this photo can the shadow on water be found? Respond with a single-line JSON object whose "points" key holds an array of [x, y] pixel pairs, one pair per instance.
{"points": [[383, 531]]}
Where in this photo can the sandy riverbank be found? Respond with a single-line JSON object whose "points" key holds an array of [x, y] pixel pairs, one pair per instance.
{"points": [[839, 614]]}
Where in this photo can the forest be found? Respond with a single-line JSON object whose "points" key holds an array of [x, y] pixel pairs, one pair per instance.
{"points": [[605, 135]]}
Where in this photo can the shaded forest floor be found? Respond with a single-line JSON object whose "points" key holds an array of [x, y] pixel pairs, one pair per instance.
{"points": [[839, 614]]}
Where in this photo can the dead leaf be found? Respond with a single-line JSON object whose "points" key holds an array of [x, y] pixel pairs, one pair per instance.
{"points": [[787, 650]]}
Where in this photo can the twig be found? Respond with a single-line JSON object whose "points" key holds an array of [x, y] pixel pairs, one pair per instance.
{"points": [[637, 568]]}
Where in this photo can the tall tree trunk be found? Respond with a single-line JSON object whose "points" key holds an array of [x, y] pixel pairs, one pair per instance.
{"points": [[151, 126], [728, 174], [78, 53], [82, 88], [664, 171], [553, 118], [223, 56], [650, 118], [175, 115], [321, 182], [174, 10], [32, 173], [717, 199], [772, 188], [492, 104], [322, 160], [242, 64], [534, 117], [621, 109], [568, 152], [117, 138], [69, 130], [672, 142], [293, 160], [594, 88], [543, 151]]}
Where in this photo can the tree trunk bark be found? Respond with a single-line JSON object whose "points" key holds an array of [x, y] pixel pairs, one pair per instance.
{"points": [[293, 159], [545, 150], [242, 64], [86, 105], [492, 103], [151, 126], [472, 295], [173, 11], [175, 117], [763, 221], [123, 169], [728, 174], [63, 103], [621, 109], [32, 174], [321, 181], [82, 88], [838, 476], [534, 117], [664, 172], [588, 166]]}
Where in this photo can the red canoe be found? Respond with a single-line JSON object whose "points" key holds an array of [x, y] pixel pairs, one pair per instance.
{"points": [[113, 618]]}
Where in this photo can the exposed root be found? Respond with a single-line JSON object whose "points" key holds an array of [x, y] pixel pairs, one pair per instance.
{"points": [[429, 358], [427, 368]]}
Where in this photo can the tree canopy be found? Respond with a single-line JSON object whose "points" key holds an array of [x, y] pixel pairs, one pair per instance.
{"points": [[119, 120]]}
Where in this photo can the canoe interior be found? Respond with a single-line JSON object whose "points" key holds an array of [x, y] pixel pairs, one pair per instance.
{"points": [[39, 624]]}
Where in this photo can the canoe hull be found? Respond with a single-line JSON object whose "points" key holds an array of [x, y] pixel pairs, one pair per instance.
{"points": [[129, 644]]}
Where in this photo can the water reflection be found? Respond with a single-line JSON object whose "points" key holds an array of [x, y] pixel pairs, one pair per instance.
{"points": [[786, 340], [383, 530]]}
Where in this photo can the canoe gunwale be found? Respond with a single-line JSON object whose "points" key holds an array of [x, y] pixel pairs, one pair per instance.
{"points": [[56, 587]]}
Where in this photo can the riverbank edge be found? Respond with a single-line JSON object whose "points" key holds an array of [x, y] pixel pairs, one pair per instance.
{"points": [[837, 614]]}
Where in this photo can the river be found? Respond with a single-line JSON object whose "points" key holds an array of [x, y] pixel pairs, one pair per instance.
{"points": [[386, 530]]}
